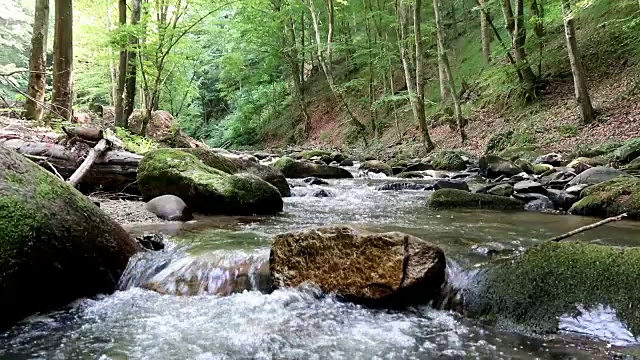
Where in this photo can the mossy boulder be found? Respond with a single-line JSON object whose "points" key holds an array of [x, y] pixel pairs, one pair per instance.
{"points": [[460, 199], [601, 150], [56, 245], [233, 163], [629, 151], [492, 166], [527, 152], [499, 141], [297, 169], [549, 280], [610, 198], [450, 160], [308, 154], [634, 164], [205, 189], [596, 175], [375, 269], [376, 166]]}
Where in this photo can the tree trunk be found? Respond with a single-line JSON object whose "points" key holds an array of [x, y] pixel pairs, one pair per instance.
{"points": [[442, 55], [62, 96], [38, 62], [579, 79], [485, 35], [326, 67], [122, 69], [442, 78], [417, 106], [516, 28], [419, 61], [132, 60]]}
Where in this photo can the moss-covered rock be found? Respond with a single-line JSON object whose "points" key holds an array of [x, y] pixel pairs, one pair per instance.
{"points": [[596, 175], [56, 245], [308, 154], [459, 199], [450, 160], [634, 164], [527, 152], [296, 169], [601, 150], [610, 198], [378, 269], [549, 280], [376, 166], [525, 165], [629, 151], [232, 164], [492, 166], [499, 142], [205, 189]]}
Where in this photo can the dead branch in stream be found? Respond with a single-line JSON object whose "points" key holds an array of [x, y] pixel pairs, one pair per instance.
{"points": [[587, 228]]}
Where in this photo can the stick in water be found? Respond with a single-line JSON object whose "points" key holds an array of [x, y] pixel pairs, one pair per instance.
{"points": [[588, 227]]}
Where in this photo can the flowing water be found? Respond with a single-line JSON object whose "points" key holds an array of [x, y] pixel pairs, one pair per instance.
{"points": [[170, 304]]}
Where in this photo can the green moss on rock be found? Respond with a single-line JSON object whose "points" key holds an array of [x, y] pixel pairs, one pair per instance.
{"points": [[205, 189], [296, 169], [450, 160], [610, 198], [527, 152], [376, 166], [549, 280], [459, 199], [308, 154], [52, 236], [628, 151]]}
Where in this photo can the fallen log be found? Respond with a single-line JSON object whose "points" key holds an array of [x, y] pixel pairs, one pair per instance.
{"points": [[84, 133], [114, 170], [98, 150]]}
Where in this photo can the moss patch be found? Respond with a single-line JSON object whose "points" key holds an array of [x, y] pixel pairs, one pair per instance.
{"points": [[549, 280], [459, 199], [610, 198], [449, 160]]}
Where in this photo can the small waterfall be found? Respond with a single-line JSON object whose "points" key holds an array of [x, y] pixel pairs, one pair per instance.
{"points": [[220, 273], [457, 292]]}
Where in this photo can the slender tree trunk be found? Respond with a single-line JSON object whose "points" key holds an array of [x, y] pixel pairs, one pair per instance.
{"points": [[62, 96], [132, 61], [419, 61], [516, 28], [122, 69], [38, 62], [113, 73], [410, 76], [577, 70], [442, 54], [442, 79], [485, 34], [326, 67]]}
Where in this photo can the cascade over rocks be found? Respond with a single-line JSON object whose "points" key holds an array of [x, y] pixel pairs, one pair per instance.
{"points": [[301, 169], [56, 245], [403, 186], [376, 166], [387, 269], [205, 189]]}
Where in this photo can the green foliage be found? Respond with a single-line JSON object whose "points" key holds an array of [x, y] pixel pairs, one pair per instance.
{"points": [[568, 130], [135, 143]]}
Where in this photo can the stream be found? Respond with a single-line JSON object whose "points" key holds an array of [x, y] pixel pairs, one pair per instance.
{"points": [[189, 321]]}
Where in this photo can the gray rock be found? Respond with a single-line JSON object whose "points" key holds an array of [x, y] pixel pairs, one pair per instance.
{"points": [[419, 167], [169, 207], [395, 170], [493, 166], [326, 159], [321, 193], [596, 175], [539, 205], [576, 189], [527, 197], [451, 184], [314, 181], [501, 190], [553, 159], [561, 199], [347, 162], [629, 151], [529, 186]]}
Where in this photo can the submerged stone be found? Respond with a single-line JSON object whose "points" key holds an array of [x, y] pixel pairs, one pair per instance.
{"points": [[385, 269], [56, 245], [169, 207]]}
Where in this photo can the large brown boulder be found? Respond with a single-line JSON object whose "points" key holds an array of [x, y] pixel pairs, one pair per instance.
{"points": [[375, 269], [56, 245]]}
